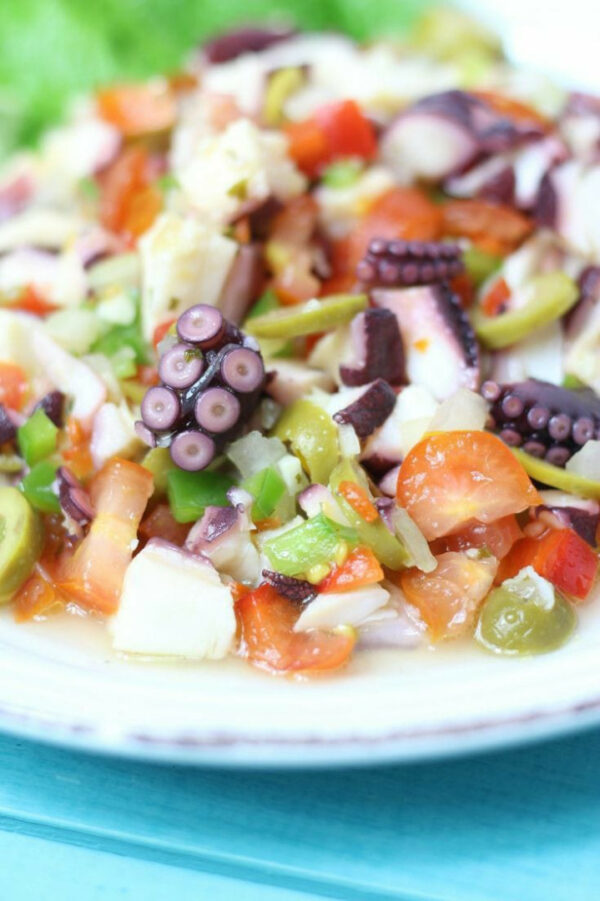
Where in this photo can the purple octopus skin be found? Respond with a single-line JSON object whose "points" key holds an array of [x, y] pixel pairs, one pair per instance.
{"points": [[228, 46], [370, 410], [215, 523], [212, 382], [437, 307], [297, 590], [545, 420], [378, 345], [402, 264], [545, 209], [474, 131], [74, 500], [53, 405], [500, 188], [243, 284], [8, 430], [584, 522]]}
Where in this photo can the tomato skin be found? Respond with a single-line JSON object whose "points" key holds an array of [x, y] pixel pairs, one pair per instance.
{"points": [[560, 556], [448, 597], [128, 202], [137, 109], [359, 500], [360, 568], [347, 130], [93, 575], [451, 478], [267, 621], [336, 130], [31, 301], [405, 213], [498, 537], [13, 385], [493, 227], [160, 523], [494, 300]]}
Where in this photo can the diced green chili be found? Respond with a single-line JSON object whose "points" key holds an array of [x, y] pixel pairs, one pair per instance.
{"points": [[37, 438], [307, 545], [267, 488], [190, 493], [37, 486]]}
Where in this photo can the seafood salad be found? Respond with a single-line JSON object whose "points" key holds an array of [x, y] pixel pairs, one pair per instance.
{"points": [[300, 353]]}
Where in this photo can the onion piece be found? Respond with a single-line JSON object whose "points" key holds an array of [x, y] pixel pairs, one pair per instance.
{"points": [[586, 462]]}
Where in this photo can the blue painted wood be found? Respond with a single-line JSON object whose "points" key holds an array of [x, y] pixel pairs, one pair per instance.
{"points": [[34, 868], [513, 826]]}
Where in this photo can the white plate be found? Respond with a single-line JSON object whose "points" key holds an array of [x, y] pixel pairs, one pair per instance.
{"points": [[60, 682]]}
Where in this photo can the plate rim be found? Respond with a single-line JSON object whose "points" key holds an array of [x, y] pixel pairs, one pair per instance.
{"points": [[228, 749]]}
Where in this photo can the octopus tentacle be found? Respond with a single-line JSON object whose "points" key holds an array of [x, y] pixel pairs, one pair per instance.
{"points": [[545, 420], [396, 263]]}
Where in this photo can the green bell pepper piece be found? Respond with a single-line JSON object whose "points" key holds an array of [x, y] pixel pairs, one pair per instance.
{"points": [[37, 486], [37, 438], [267, 488], [190, 493], [307, 545]]}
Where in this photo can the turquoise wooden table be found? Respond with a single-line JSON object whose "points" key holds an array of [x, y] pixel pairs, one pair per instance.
{"points": [[517, 826]]}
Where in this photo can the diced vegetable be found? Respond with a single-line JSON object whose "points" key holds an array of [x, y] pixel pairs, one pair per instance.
{"points": [[525, 616], [557, 477], [173, 604], [138, 109], [341, 609], [37, 438], [158, 462], [190, 493], [451, 478], [37, 486], [123, 336], [560, 556], [551, 296], [358, 498], [360, 568], [448, 597], [308, 318], [375, 534], [93, 575], [13, 385], [337, 130], [269, 641], [479, 264], [493, 227], [21, 537], [497, 537], [342, 174], [123, 270], [282, 84], [267, 487], [161, 523], [313, 437], [316, 541]]}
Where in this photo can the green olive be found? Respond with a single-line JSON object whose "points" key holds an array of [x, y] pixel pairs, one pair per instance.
{"points": [[307, 318], [511, 623], [312, 436], [21, 537], [556, 477], [552, 295], [282, 84]]}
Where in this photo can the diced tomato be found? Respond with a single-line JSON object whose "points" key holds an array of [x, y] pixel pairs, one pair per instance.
{"points": [[31, 301], [359, 500], [494, 301], [160, 331], [144, 208], [127, 202], [267, 622], [93, 575], [348, 132], [560, 556], [406, 213], [336, 130], [513, 109], [448, 597], [13, 385], [76, 452], [451, 478], [307, 146], [160, 523], [493, 227], [242, 231], [147, 375], [36, 597], [138, 109], [497, 537], [360, 568], [296, 282]]}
